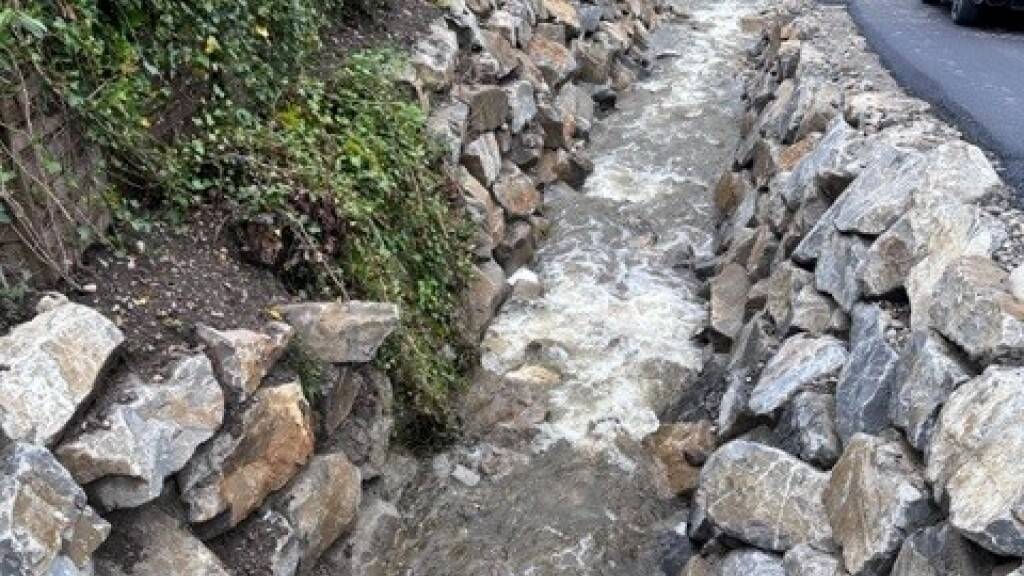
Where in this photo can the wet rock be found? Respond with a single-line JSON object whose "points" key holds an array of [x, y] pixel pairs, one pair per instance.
{"points": [[434, 57], [46, 521], [149, 432], [51, 365], [973, 307], [525, 285], [746, 561], [365, 435], [488, 106], [149, 542], [522, 105], [940, 551], [515, 191], [728, 299], [241, 358], [482, 158], [869, 377], [808, 426], [363, 552], [801, 361], [974, 460], [930, 369], [836, 271], [806, 560], [875, 498], [763, 496], [555, 61], [679, 450], [483, 296], [340, 332], [233, 473]]}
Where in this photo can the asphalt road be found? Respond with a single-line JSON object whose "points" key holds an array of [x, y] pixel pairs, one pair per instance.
{"points": [[974, 76]]}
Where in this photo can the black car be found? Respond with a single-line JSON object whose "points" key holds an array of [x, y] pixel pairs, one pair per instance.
{"points": [[967, 12]]}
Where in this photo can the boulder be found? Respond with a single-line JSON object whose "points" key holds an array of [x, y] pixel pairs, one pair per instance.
{"points": [[554, 60], [488, 217], [974, 460], [447, 126], [595, 61], [363, 552], [827, 170], [488, 106], [338, 387], [482, 158], [483, 296], [232, 474], [522, 105], [513, 28], [679, 450], [434, 57], [800, 362], [517, 247], [816, 313], [875, 498], [763, 496], [516, 192], [752, 347], [806, 560], [734, 415], [972, 306], [365, 435], [341, 332], [930, 369], [51, 367], [940, 551], [808, 428], [495, 61], [880, 194], [143, 433], [564, 13], [149, 542], [241, 358], [747, 562], [869, 377], [728, 300], [46, 521], [837, 267]]}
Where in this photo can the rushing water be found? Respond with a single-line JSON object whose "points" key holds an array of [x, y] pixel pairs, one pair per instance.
{"points": [[565, 489]]}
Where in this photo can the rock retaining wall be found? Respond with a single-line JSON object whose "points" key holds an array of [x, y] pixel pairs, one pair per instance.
{"points": [[866, 304]]}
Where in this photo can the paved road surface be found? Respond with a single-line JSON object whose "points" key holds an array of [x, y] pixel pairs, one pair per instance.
{"points": [[974, 75]]}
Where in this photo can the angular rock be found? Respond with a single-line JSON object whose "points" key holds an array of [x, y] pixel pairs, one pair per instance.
{"points": [[806, 560], [753, 345], [241, 358], [496, 61], [564, 13], [555, 61], [46, 521], [680, 449], [265, 544], [930, 369], [149, 542], [483, 296], [595, 62], [814, 312], [447, 126], [144, 433], [522, 105], [341, 332], [875, 499], [728, 300], [364, 551], [808, 427], [50, 367], [734, 415], [434, 57], [880, 194], [827, 170], [869, 377], [482, 158], [484, 211], [836, 271], [974, 460], [233, 473], [973, 307], [517, 247], [339, 386], [747, 562], [763, 496], [940, 551], [515, 191], [514, 28], [488, 106], [800, 362], [365, 435]]}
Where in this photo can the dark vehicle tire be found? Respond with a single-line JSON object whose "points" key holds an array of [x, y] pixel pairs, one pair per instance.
{"points": [[965, 12]]}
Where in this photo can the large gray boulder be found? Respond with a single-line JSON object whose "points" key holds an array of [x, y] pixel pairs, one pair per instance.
{"points": [[434, 57], [241, 358], [51, 365], [45, 520], [763, 496], [941, 551], [143, 433], [342, 332], [833, 164], [837, 267], [866, 382], [149, 542], [875, 499], [800, 362], [974, 459], [808, 428], [930, 369]]}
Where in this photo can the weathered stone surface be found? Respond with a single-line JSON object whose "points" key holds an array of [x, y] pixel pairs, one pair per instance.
{"points": [[867, 381], [930, 369], [265, 544], [836, 271], [814, 312], [728, 299], [149, 542], [808, 428], [434, 57], [974, 460], [514, 28], [785, 283], [763, 496], [522, 105], [734, 415], [564, 13], [517, 247], [972, 306], [338, 388], [488, 106], [340, 332], [880, 194], [365, 435], [800, 361], [482, 158], [51, 366], [595, 61], [555, 61], [828, 169], [679, 450], [515, 191], [446, 126], [488, 217], [875, 499], [806, 560], [940, 551], [364, 551], [747, 562], [752, 347], [45, 520], [144, 433], [233, 473], [497, 59], [484, 294], [241, 358]]}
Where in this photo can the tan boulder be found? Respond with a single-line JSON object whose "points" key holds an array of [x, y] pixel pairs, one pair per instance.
{"points": [[680, 450]]}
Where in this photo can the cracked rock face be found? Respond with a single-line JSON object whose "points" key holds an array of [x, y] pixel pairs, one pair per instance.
{"points": [[49, 367], [148, 433], [800, 361], [241, 358], [149, 542], [342, 332], [233, 473], [941, 551], [46, 523], [867, 380], [836, 271], [974, 459], [876, 497], [763, 496]]}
